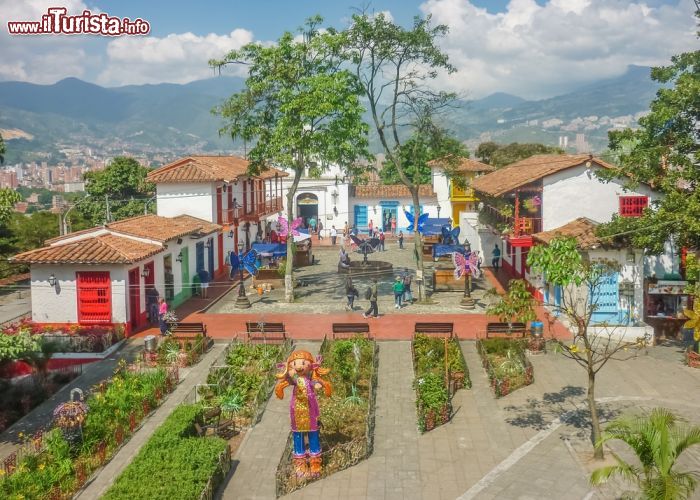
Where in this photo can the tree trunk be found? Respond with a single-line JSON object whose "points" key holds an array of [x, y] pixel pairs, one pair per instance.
{"points": [[595, 421], [418, 246], [289, 270]]}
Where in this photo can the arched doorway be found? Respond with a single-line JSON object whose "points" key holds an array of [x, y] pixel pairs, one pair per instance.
{"points": [[307, 207]]}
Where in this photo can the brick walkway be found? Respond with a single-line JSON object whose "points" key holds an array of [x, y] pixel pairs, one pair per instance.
{"points": [[255, 463], [189, 378]]}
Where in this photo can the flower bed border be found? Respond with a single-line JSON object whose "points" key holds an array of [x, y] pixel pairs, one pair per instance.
{"points": [[345, 454], [692, 359], [453, 387], [501, 387]]}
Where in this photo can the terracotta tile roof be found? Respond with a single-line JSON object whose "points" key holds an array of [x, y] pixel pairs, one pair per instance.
{"points": [[465, 165], [536, 167], [89, 230], [104, 249], [390, 191], [583, 229], [207, 169], [163, 229]]}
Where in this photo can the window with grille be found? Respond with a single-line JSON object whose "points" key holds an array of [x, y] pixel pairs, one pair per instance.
{"points": [[633, 206], [94, 297]]}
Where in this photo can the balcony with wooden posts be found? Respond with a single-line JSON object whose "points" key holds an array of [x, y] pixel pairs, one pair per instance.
{"points": [[261, 198], [518, 220]]}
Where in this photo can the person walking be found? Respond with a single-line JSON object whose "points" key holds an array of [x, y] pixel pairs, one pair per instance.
{"points": [[320, 230], [372, 296], [407, 295], [381, 241], [350, 292], [312, 224], [162, 311], [371, 228], [398, 292], [495, 257], [334, 235], [400, 240]]}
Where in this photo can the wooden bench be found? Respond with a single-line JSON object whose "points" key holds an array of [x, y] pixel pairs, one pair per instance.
{"points": [[438, 329], [349, 330], [503, 330], [188, 332], [269, 333]]}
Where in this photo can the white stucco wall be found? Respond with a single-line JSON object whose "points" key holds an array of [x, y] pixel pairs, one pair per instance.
{"points": [[577, 192], [374, 210], [195, 199], [323, 188], [657, 266], [59, 304], [441, 186]]}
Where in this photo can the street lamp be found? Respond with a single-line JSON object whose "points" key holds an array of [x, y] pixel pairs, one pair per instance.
{"points": [[438, 210], [467, 301], [242, 301]]}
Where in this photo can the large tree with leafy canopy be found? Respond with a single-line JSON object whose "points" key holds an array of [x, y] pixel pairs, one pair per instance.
{"points": [[663, 153], [117, 192], [395, 66], [500, 155], [300, 107]]}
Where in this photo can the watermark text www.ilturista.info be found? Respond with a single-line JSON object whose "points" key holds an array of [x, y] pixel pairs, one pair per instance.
{"points": [[56, 21]]}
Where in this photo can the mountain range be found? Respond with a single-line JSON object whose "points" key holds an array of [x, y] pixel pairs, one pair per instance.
{"points": [[177, 118]]}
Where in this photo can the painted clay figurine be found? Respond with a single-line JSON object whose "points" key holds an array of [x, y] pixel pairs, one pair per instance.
{"points": [[304, 373]]}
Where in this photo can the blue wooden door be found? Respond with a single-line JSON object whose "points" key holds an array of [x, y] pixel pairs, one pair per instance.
{"points": [[605, 299], [360, 216], [211, 258], [199, 261]]}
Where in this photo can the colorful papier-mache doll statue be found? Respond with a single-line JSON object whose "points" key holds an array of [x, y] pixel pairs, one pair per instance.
{"points": [[304, 373]]}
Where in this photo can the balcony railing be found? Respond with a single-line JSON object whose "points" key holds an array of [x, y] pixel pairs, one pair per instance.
{"points": [[251, 212], [521, 226]]}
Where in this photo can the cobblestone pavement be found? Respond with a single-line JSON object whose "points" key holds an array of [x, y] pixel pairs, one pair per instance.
{"points": [[322, 288], [189, 378], [533, 443], [255, 462]]}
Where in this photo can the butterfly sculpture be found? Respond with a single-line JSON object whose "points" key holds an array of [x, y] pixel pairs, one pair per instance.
{"points": [[450, 236], [286, 228], [466, 265], [247, 261], [411, 221]]}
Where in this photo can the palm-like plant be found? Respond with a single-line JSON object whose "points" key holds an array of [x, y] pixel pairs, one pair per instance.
{"points": [[657, 439]]}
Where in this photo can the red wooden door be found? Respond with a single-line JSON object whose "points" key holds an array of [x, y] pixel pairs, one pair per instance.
{"points": [[219, 206], [94, 291], [134, 298], [220, 249]]}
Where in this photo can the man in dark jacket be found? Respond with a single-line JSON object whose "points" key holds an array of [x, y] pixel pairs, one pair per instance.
{"points": [[372, 301]]}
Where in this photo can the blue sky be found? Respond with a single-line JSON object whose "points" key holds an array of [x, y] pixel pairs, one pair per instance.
{"points": [[531, 48]]}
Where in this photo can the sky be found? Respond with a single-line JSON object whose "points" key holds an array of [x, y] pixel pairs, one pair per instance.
{"points": [[530, 48]]}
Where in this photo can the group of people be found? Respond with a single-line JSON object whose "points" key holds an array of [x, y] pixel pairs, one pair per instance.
{"points": [[401, 289], [157, 308]]}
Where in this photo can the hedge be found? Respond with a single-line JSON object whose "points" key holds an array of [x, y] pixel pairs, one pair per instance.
{"points": [[174, 464]]}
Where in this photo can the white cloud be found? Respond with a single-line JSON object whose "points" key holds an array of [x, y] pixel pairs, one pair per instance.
{"points": [[39, 59], [536, 50], [175, 58]]}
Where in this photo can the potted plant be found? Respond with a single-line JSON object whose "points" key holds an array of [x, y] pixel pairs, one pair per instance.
{"points": [[516, 306]]}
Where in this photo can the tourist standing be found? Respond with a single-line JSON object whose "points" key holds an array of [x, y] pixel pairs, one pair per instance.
{"points": [[381, 241], [162, 311], [312, 224], [401, 240], [495, 257], [393, 225], [372, 297], [350, 292], [371, 228], [320, 230], [407, 295], [398, 292], [334, 235], [204, 282], [346, 230]]}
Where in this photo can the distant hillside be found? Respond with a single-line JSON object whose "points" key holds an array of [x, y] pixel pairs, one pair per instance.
{"points": [[176, 118]]}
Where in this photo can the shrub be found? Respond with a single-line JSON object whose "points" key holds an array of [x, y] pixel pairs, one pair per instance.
{"points": [[174, 463], [506, 365]]}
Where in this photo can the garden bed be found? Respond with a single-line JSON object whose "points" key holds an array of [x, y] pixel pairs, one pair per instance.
{"points": [[48, 466], [175, 463], [171, 352], [347, 430], [73, 338], [242, 385], [434, 390], [506, 365]]}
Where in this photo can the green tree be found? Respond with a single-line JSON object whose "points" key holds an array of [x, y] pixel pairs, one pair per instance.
{"points": [[500, 155], [394, 67], [32, 231], [8, 198], [657, 440], [663, 153], [417, 151], [580, 279], [302, 109], [517, 305], [117, 192]]}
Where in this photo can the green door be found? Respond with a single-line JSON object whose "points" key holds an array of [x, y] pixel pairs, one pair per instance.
{"points": [[186, 290]]}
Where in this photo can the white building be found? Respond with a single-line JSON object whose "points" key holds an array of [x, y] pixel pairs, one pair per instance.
{"points": [[101, 275]]}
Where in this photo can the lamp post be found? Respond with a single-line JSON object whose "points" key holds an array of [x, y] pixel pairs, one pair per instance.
{"points": [[467, 301], [438, 210], [242, 301]]}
